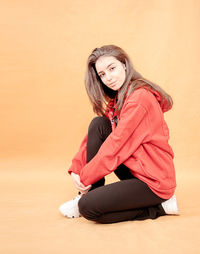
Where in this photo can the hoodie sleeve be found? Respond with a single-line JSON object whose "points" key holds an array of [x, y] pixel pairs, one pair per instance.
{"points": [[118, 146], [79, 160]]}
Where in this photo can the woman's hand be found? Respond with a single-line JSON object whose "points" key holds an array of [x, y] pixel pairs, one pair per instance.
{"points": [[81, 187]]}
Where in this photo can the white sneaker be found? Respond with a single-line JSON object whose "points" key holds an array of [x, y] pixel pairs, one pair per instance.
{"points": [[70, 208], [170, 206]]}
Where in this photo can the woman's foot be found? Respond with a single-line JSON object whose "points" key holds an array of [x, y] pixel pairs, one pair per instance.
{"points": [[70, 209], [170, 206]]}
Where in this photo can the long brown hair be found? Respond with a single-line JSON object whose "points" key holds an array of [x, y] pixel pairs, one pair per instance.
{"points": [[99, 94]]}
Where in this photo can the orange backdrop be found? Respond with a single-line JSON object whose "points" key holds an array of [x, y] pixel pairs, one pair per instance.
{"points": [[45, 112], [44, 108]]}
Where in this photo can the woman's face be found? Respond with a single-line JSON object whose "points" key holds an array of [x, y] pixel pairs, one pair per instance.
{"points": [[111, 71]]}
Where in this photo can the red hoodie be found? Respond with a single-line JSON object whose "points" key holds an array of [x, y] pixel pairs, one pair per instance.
{"points": [[139, 141]]}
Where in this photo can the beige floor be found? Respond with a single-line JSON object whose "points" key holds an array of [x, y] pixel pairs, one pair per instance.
{"points": [[32, 190]]}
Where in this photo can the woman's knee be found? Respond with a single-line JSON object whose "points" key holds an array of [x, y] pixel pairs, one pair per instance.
{"points": [[101, 124], [99, 121]]}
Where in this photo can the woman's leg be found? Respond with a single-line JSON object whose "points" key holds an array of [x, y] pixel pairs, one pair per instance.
{"points": [[125, 200], [99, 129], [123, 172]]}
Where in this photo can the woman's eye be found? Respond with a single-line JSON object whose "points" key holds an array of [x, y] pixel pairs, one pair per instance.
{"points": [[101, 75], [112, 68]]}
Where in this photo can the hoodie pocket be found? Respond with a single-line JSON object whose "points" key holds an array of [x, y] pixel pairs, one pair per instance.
{"points": [[150, 179]]}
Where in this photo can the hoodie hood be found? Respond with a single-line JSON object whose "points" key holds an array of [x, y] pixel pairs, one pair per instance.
{"points": [[165, 106], [162, 102]]}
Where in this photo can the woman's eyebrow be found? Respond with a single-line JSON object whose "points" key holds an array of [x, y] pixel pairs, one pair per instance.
{"points": [[106, 67]]}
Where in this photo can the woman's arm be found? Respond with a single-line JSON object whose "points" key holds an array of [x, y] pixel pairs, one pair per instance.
{"points": [[79, 160], [119, 145]]}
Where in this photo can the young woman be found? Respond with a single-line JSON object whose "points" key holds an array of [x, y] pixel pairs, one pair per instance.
{"points": [[128, 137]]}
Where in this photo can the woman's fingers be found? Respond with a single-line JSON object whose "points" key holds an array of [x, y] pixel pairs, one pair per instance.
{"points": [[84, 191], [84, 188], [80, 186]]}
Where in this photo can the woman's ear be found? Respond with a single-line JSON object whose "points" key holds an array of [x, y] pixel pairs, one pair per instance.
{"points": [[124, 66]]}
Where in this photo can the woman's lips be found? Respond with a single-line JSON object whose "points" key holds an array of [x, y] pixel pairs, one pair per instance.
{"points": [[112, 84]]}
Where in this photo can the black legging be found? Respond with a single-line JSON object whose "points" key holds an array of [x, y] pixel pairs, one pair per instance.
{"points": [[128, 199]]}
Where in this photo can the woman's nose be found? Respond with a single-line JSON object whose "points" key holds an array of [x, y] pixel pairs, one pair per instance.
{"points": [[108, 76]]}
